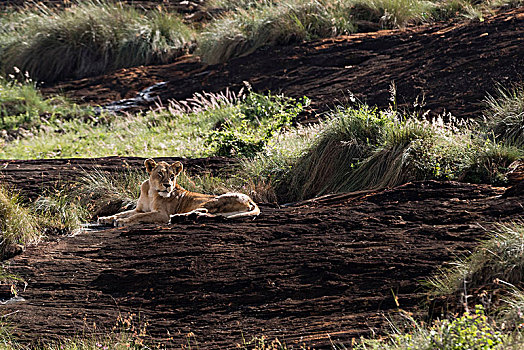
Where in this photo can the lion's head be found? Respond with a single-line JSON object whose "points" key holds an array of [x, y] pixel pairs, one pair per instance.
{"points": [[162, 176]]}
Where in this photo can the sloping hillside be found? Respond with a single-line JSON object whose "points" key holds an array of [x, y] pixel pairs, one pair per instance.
{"points": [[320, 271], [328, 268], [452, 66]]}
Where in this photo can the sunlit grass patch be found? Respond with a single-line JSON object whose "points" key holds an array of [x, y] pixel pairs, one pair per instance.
{"points": [[60, 210], [472, 330], [22, 105], [201, 127], [366, 148], [266, 23], [90, 37]]}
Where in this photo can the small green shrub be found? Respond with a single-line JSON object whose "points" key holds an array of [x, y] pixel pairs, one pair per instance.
{"points": [[259, 117], [89, 38], [469, 331], [490, 163]]}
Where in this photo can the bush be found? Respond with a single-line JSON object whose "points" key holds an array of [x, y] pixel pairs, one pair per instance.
{"points": [[368, 149], [258, 118], [469, 331], [87, 39], [491, 163]]}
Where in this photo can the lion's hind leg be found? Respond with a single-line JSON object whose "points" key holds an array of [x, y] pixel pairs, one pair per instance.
{"points": [[232, 205], [193, 214]]}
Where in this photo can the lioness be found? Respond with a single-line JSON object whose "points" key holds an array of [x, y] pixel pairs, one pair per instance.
{"points": [[161, 198]]}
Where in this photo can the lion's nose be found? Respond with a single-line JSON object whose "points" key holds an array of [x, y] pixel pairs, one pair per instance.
{"points": [[167, 185]]}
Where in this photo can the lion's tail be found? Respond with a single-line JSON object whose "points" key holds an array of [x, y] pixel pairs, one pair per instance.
{"points": [[253, 211]]}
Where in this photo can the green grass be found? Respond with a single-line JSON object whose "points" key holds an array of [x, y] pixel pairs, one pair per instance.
{"points": [[494, 275], [248, 25], [90, 38], [23, 106], [240, 127], [355, 149], [470, 331], [97, 36], [258, 24], [97, 189], [501, 258], [366, 148], [59, 210], [18, 225]]}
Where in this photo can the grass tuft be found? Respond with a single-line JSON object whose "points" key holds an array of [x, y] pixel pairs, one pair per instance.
{"points": [[498, 261], [89, 38], [267, 23], [23, 106], [60, 211], [18, 225], [504, 116], [368, 149]]}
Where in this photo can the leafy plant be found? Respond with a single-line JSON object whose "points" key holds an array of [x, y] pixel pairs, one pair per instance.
{"points": [[472, 331], [259, 118]]}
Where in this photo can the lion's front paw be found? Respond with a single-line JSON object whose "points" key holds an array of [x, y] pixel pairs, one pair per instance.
{"points": [[121, 222], [106, 220]]}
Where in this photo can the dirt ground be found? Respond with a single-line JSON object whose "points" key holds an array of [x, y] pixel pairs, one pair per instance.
{"points": [[452, 65], [324, 271], [319, 272]]}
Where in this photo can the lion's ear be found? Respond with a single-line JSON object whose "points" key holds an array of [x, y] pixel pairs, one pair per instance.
{"points": [[177, 167], [150, 165]]}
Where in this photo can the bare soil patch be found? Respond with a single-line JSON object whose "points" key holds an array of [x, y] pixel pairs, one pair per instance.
{"points": [[452, 65]]}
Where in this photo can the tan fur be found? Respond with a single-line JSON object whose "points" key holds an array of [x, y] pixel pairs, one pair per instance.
{"points": [[161, 198]]}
